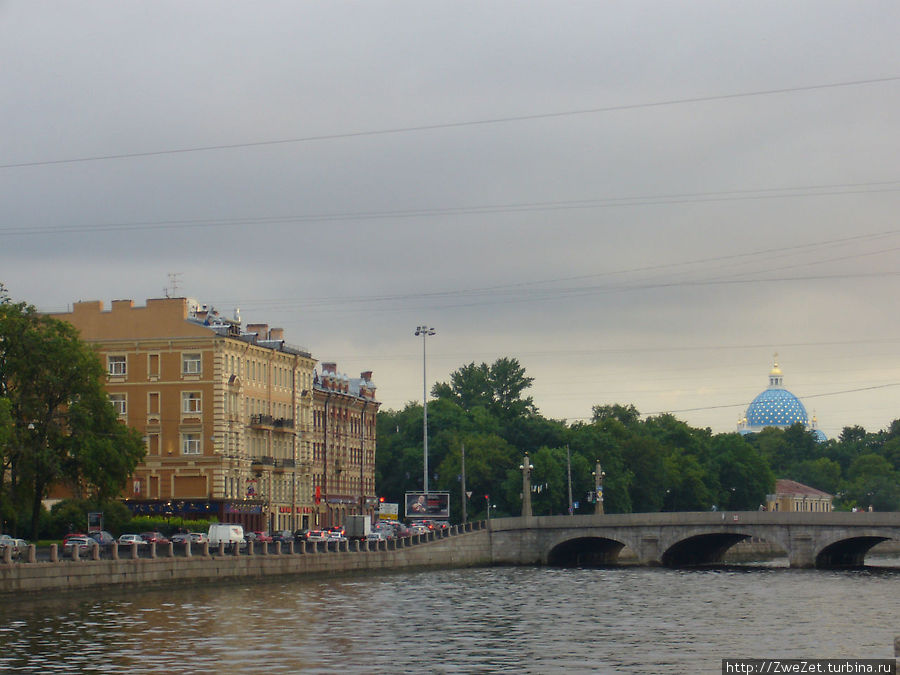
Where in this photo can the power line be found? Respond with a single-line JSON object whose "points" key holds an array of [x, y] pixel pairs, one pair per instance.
{"points": [[511, 207], [454, 125], [744, 405]]}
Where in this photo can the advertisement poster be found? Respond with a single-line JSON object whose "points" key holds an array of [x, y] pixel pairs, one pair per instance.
{"points": [[434, 505], [388, 511]]}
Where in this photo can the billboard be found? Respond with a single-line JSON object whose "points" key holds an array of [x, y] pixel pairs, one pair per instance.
{"points": [[435, 505], [387, 511]]}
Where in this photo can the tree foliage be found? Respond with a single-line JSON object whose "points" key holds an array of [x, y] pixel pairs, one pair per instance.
{"points": [[651, 463], [61, 426]]}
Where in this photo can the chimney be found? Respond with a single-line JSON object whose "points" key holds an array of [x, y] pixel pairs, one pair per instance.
{"points": [[329, 368], [276, 333], [261, 330], [366, 375]]}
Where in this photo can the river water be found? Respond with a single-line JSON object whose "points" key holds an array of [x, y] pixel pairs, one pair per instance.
{"points": [[484, 620]]}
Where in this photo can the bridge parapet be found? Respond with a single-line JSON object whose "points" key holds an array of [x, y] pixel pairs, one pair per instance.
{"points": [[808, 539]]}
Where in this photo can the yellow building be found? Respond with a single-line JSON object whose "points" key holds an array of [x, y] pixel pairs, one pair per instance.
{"points": [[343, 445], [793, 496], [226, 412]]}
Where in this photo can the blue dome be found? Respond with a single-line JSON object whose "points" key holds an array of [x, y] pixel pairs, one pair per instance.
{"points": [[776, 408]]}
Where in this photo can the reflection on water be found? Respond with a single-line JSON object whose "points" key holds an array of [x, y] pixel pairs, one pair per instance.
{"points": [[498, 620]]}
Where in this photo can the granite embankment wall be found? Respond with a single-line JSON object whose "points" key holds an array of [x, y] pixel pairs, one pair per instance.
{"points": [[453, 549]]}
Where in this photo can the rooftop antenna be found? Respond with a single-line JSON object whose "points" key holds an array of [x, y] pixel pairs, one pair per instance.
{"points": [[174, 281]]}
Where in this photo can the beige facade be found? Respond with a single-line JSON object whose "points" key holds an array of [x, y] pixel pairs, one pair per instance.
{"points": [[793, 496], [343, 445], [226, 411]]}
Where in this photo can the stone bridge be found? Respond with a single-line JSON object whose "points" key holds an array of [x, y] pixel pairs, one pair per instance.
{"points": [[826, 540]]}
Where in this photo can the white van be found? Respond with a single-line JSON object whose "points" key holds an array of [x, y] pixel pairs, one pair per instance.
{"points": [[225, 532]]}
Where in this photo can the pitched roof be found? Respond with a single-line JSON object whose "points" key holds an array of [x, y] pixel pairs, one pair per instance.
{"points": [[784, 486]]}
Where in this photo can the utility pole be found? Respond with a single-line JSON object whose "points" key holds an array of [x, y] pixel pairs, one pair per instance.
{"points": [[465, 496], [569, 469], [599, 475]]}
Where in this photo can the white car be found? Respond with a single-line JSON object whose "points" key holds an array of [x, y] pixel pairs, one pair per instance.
{"points": [[17, 546], [128, 539], [336, 536]]}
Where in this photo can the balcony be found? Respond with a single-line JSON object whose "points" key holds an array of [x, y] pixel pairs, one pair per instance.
{"points": [[283, 464], [268, 422], [283, 424], [257, 463], [262, 421]]}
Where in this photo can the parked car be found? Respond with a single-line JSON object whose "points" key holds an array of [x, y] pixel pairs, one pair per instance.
{"points": [[82, 542], [336, 535], [71, 535], [199, 537], [16, 546], [102, 537], [180, 538], [131, 539], [284, 536], [157, 538], [259, 537]]}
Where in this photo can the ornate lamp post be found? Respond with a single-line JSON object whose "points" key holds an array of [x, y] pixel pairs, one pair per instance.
{"points": [[424, 331], [526, 467], [598, 475]]}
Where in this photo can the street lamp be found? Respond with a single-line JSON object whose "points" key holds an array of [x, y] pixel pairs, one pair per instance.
{"points": [[424, 331], [598, 475], [526, 467]]}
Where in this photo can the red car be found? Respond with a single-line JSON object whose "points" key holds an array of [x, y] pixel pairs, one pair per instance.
{"points": [[157, 538], [259, 537], [70, 535]]}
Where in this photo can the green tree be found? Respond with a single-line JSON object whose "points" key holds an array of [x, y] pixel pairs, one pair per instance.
{"points": [[873, 482], [821, 473], [743, 476], [626, 414], [54, 384], [498, 388]]}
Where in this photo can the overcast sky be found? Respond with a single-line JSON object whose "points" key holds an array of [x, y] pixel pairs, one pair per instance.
{"points": [[640, 201]]}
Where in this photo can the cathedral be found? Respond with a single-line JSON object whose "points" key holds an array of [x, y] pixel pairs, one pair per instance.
{"points": [[776, 407]]}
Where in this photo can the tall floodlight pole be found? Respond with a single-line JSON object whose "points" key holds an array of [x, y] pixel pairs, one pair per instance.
{"points": [[526, 467], [599, 475], [424, 331]]}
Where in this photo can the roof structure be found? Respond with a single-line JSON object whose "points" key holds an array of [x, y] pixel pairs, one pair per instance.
{"points": [[776, 407]]}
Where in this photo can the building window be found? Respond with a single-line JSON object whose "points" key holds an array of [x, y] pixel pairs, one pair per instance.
{"points": [[116, 366], [153, 403], [120, 403], [191, 402], [190, 364], [190, 444], [152, 444], [152, 365]]}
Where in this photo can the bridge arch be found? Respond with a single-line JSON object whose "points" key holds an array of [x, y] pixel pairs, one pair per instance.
{"points": [[708, 546], [585, 551], [700, 549], [848, 551]]}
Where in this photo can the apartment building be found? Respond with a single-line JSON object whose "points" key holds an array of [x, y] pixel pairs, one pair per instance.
{"points": [[226, 412], [343, 444]]}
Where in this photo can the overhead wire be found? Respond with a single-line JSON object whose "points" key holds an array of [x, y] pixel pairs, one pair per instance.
{"points": [[600, 203], [454, 125]]}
